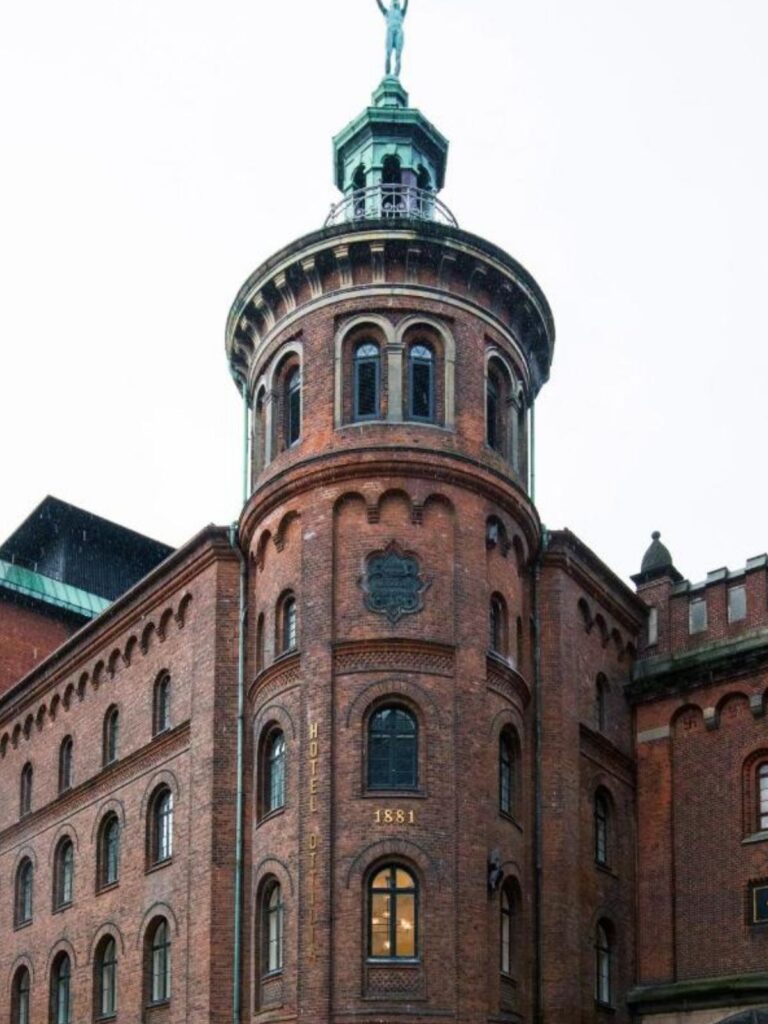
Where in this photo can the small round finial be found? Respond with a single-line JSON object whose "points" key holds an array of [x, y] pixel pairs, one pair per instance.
{"points": [[655, 535]]}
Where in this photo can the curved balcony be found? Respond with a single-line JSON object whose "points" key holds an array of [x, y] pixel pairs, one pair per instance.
{"points": [[390, 202]]}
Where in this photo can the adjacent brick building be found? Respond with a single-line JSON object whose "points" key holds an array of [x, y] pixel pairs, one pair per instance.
{"points": [[387, 750]]}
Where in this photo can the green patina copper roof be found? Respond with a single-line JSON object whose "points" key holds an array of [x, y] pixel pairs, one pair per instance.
{"points": [[49, 591], [390, 127]]}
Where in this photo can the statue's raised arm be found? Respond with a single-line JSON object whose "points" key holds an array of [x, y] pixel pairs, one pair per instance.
{"points": [[395, 15]]}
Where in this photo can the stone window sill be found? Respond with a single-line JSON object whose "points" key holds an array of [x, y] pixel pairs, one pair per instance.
{"points": [[107, 887], [150, 869], [756, 837]]}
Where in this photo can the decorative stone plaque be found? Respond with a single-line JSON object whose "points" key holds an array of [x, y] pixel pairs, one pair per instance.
{"points": [[392, 583]]}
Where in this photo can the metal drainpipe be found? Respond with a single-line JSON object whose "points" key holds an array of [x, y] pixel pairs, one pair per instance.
{"points": [[234, 540]]}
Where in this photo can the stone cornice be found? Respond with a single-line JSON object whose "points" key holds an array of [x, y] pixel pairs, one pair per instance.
{"points": [[103, 784], [700, 994], [381, 461]]}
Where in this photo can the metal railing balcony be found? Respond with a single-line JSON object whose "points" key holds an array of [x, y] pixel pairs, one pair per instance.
{"points": [[390, 202]]}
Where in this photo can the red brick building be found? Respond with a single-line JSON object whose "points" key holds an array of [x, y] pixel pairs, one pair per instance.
{"points": [[388, 750]]}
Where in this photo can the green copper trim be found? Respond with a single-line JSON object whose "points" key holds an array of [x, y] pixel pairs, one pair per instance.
{"points": [[49, 591]]}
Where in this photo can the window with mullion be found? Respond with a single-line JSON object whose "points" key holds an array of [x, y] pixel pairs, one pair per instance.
{"points": [[367, 382], [21, 989], [293, 407], [603, 955], [160, 981], [421, 397], [110, 852], [601, 830], [506, 774], [393, 915], [65, 869], [62, 995], [506, 932], [24, 890], [392, 750], [273, 930], [107, 981], [275, 773]]}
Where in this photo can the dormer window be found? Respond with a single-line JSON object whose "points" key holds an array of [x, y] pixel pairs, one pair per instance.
{"points": [[737, 604], [697, 615]]}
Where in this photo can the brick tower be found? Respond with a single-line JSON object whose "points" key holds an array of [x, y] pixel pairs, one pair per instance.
{"points": [[391, 361]]}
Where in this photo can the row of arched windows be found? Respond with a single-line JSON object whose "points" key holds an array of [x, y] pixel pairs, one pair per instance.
{"points": [[110, 744], [157, 979], [421, 399], [392, 761], [159, 849]]}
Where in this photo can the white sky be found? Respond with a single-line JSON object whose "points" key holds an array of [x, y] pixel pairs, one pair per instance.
{"points": [[153, 154]]}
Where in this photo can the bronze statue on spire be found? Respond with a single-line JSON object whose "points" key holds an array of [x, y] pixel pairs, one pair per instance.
{"points": [[395, 15]]}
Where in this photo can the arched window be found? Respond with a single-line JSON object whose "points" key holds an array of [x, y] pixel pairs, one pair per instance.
{"points": [[20, 997], [25, 877], [64, 874], [287, 624], [498, 626], [274, 772], [509, 929], [603, 965], [762, 797], [109, 851], [601, 703], [61, 990], [421, 383], [159, 962], [508, 771], [501, 426], [161, 826], [367, 381], [260, 643], [260, 432], [602, 818], [272, 928], [111, 736], [292, 406], [393, 898], [66, 764], [393, 749], [25, 796], [162, 704], [105, 968], [358, 184]]}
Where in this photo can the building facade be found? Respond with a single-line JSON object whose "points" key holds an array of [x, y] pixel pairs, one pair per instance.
{"points": [[388, 751]]}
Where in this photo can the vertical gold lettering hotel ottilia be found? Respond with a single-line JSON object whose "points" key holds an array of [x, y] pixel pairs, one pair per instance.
{"points": [[312, 840]]}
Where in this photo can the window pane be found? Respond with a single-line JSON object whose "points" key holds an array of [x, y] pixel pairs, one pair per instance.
{"points": [[492, 413], [421, 385], [293, 410], [404, 879], [653, 627], [111, 851], [381, 881], [161, 965], [697, 616], [367, 384], [380, 915], [737, 604], [406, 925]]}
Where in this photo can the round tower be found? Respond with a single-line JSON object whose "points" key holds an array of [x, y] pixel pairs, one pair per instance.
{"points": [[391, 361]]}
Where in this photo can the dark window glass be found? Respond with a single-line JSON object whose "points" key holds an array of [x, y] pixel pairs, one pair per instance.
{"points": [[275, 772], [65, 874], [492, 410], [393, 914], [507, 767], [20, 997], [163, 703], [272, 929], [162, 827], [422, 378], [111, 735], [498, 627], [601, 701], [507, 911], [160, 964], [289, 637], [367, 378], [106, 980], [61, 995], [603, 957], [65, 764], [762, 798], [25, 801], [110, 851], [392, 749], [601, 829], [293, 407], [24, 886]]}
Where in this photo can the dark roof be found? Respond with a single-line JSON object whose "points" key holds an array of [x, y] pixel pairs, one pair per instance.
{"points": [[657, 562], [67, 544]]}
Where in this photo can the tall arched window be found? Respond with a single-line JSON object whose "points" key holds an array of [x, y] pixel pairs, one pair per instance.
{"points": [[272, 928], [762, 797], [421, 383], [25, 795], [500, 423], [66, 755], [25, 877], [161, 826], [508, 943], [274, 772], [498, 626], [287, 623], [292, 406], [367, 381], [109, 851], [159, 962], [602, 818], [61, 990], [601, 702], [260, 432], [393, 749], [393, 898], [106, 979], [508, 771], [20, 997], [64, 874], [111, 736], [260, 642], [162, 704], [603, 965]]}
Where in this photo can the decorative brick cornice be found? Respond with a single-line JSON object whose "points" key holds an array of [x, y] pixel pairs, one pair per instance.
{"points": [[99, 786], [399, 655], [505, 680], [279, 676]]}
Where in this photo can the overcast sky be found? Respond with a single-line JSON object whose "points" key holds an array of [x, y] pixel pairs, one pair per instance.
{"points": [[154, 153]]}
